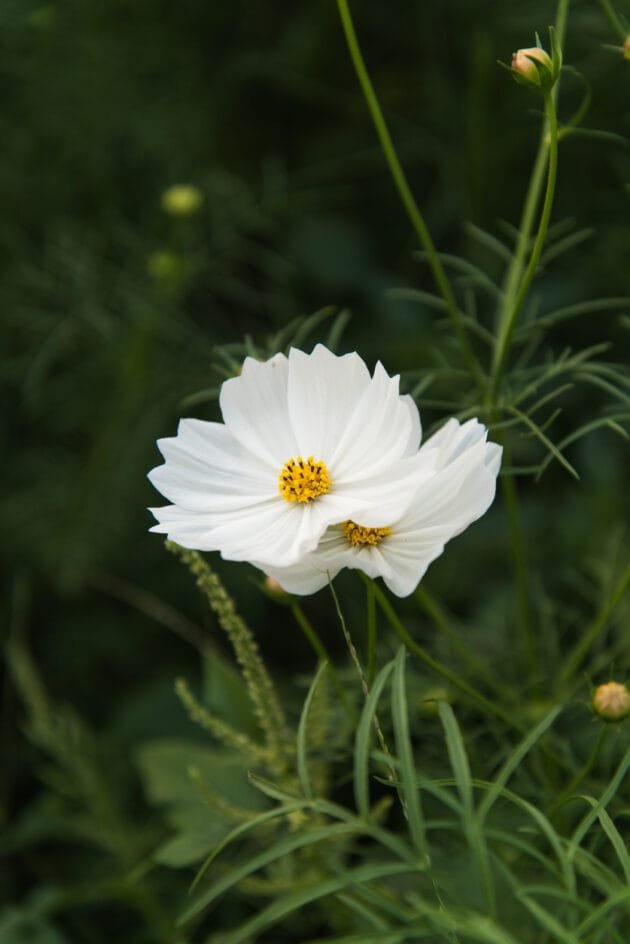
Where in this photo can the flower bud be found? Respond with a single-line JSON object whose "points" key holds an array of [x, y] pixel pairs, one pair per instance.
{"points": [[626, 49], [182, 200], [611, 701], [533, 67], [275, 590]]}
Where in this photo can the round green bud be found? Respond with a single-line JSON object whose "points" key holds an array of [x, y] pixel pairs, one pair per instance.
{"points": [[182, 200]]}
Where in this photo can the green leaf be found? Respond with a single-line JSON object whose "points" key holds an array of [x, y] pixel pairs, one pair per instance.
{"points": [[600, 804], [409, 779], [18, 926], [165, 767], [294, 901], [302, 762], [280, 849], [548, 922], [513, 761], [362, 742], [457, 757]]}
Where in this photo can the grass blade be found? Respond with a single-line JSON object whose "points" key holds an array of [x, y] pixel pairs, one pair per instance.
{"points": [[513, 762], [362, 742], [302, 762], [409, 778]]}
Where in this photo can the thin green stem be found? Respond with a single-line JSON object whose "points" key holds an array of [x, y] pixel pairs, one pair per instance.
{"points": [[436, 666], [594, 631], [324, 656], [441, 623], [521, 571], [405, 194], [614, 19], [371, 633], [585, 770], [510, 316], [354, 655]]}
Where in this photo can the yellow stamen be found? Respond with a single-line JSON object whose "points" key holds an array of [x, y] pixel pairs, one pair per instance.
{"points": [[302, 480], [359, 536]]}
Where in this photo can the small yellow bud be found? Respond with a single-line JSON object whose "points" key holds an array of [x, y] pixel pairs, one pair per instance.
{"points": [[626, 49], [525, 68], [182, 200], [611, 701]]}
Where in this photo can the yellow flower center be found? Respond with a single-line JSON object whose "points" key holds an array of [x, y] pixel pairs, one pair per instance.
{"points": [[359, 536], [302, 480]]}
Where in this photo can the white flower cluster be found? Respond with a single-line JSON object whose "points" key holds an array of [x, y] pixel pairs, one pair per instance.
{"points": [[318, 466]]}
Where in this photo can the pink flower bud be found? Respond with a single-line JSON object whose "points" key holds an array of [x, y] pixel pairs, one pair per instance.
{"points": [[526, 69]]}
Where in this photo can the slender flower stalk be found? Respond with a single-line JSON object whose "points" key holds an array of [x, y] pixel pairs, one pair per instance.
{"points": [[508, 322], [405, 194], [322, 653], [583, 773], [592, 633], [613, 19], [521, 569], [455, 680]]}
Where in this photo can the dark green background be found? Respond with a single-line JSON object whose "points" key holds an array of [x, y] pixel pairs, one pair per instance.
{"points": [[105, 105]]}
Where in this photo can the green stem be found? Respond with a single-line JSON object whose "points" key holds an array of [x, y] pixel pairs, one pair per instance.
{"points": [[594, 631], [436, 666], [521, 571], [442, 625], [511, 313], [324, 656], [371, 633], [404, 192], [584, 772], [613, 19], [354, 655]]}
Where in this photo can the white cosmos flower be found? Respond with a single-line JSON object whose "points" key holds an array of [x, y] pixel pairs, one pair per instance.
{"points": [[460, 489], [308, 441]]}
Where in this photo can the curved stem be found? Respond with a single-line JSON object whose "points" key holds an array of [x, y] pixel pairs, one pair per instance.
{"points": [[584, 772], [521, 571], [438, 667], [613, 19], [508, 322], [322, 653], [596, 628], [404, 192]]}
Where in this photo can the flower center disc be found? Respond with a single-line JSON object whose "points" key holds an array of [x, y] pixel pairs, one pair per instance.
{"points": [[359, 536], [302, 480]]}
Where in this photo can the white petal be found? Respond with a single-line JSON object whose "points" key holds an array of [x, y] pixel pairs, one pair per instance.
{"points": [[207, 469], [255, 410], [408, 570], [382, 498], [415, 435], [453, 439], [302, 578], [381, 431], [278, 534], [457, 494], [323, 393], [191, 529]]}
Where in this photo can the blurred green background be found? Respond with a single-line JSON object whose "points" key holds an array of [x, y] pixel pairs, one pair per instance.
{"points": [[111, 306]]}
